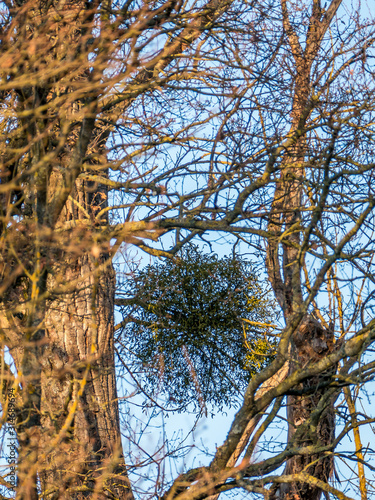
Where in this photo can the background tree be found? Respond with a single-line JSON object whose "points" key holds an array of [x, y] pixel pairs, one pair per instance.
{"points": [[124, 121]]}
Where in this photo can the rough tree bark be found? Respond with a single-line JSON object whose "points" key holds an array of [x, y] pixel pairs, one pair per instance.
{"points": [[78, 387]]}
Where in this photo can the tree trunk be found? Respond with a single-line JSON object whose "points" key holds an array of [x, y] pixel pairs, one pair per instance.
{"points": [[311, 418], [68, 417], [310, 414], [63, 346], [79, 408]]}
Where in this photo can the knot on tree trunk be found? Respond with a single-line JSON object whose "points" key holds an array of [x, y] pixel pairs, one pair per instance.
{"points": [[312, 341]]}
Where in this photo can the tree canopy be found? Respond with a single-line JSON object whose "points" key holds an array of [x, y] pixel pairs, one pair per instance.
{"points": [[147, 125]]}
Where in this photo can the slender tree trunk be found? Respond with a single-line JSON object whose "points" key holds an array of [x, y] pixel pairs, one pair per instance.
{"points": [[311, 414]]}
